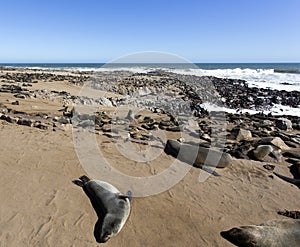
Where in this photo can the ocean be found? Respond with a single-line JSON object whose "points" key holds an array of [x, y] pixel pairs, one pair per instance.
{"points": [[275, 76], [280, 76]]}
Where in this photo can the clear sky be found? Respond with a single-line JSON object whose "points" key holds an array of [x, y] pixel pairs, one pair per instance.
{"points": [[199, 30]]}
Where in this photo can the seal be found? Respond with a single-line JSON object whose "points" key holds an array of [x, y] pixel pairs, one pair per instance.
{"points": [[196, 155], [111, 206], [295, 170], [279, 233]]}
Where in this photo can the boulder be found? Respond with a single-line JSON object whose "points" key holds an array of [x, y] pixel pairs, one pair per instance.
{"points": [[275, 141], [26, 122], [284, 124], [106, 128], [62, 120], [40, 125], [244, 135], [173, 128], [20, 96], [105, 102], [262, 151]]}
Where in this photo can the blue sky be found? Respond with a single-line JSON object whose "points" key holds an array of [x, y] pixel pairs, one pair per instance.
{"points": [[100, 31]]}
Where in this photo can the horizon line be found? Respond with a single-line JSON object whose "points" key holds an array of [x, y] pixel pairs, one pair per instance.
{"points": [[148, 62]]}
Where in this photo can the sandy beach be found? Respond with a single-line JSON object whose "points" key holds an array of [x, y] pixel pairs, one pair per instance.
{"points": [[40, 206]]}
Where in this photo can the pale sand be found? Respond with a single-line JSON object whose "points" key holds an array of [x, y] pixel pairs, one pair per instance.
{"points": [[41, 207]]}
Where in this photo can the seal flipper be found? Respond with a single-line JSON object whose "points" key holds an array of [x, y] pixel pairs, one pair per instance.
{"points": [[287, 179], [98, 229], [84, 179], [211, 171], [127, 196], [77, 182]]}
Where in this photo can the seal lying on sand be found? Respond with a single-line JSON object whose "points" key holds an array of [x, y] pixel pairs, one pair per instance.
{"points": [[111, 206], [295, 170], [196, 155], [279, 233]]}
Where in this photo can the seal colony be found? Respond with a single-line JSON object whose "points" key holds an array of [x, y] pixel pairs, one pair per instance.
{"points": [[111, 206], [37, 110]]}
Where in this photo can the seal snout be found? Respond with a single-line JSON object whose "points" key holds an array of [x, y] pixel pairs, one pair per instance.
{"points": [[105, 238]]}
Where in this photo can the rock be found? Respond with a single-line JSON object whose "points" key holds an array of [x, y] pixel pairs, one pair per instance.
{"points": [[105, 102], [284, 124], [62, 120], [106, 128], [40, 125], [173, 128], [26, 122], [15, 102], [291, 144], [277, 142], [244, 135], [68, 112], [86, 123], [204, 144], [282, 136], [20, 96], [165, 124], [111, 135], [205, 137], [296, 140], [8, 119], [241, 150], [149, 127], [144, 91], [130, 115], [262, 151], [277, 155], [269, 167], [296, 126]]}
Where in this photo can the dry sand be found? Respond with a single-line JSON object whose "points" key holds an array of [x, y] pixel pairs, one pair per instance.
{"points": [[41, 207]]}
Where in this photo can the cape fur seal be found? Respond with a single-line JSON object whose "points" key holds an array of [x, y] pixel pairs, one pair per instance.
{"points": [[112, 207], [295, 170], [276, 233], [196, 155]]}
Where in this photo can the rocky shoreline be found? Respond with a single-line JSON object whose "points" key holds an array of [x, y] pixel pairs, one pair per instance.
{"points": [[259, 174], [172, 99]]}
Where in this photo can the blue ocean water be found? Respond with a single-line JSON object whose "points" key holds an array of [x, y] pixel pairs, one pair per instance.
{"points": [[264, 75], [277, 67]]}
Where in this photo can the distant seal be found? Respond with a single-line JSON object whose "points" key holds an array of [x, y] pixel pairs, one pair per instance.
{"points": [[196, 155], [279, 233], [112, 207], [295, 170]]}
